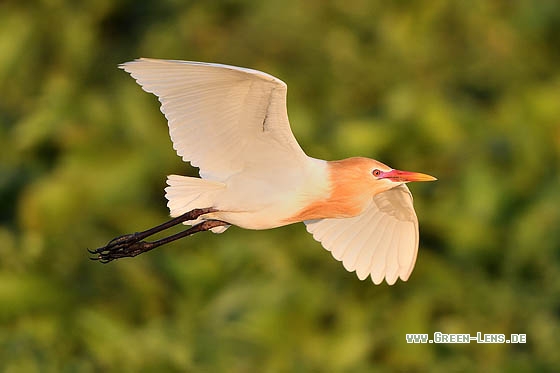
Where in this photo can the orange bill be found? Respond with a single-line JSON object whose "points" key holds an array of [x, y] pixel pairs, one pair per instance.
{"points": [[406, 176]]}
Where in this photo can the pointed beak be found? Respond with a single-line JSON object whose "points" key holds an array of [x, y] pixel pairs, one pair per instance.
{"points": [[406, 176]]}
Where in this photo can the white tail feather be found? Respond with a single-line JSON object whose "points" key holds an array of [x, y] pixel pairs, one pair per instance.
{"points": [[188, 193]]}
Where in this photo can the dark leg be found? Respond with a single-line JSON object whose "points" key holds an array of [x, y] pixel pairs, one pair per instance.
{"points": [[131, 245]]}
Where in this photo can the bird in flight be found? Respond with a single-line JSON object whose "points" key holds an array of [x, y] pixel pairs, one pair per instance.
{"points": [[232, 123]]}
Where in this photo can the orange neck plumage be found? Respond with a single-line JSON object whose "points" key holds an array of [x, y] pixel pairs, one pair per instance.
{"points": [[351, 190]]}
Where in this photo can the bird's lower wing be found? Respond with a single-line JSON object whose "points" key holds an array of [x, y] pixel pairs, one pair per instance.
{"points": [[382, 242]]}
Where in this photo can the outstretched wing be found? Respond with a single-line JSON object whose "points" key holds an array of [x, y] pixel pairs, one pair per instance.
{"points": [[381, 242], [221, 118]]}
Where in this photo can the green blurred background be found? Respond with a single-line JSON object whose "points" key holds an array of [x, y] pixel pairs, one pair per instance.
{"points": [[468, 91]]}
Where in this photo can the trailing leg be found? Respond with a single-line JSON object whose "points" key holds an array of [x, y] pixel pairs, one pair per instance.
{"points": [[130, 245]]}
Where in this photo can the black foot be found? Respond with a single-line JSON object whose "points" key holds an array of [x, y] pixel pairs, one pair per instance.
{"points": [[128, 245]]}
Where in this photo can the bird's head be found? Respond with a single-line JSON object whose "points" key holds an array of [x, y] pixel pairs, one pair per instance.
{"points": [[360, 178], [372, 175]]}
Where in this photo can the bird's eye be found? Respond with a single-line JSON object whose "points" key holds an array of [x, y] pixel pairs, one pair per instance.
{"points": [[376, 173]]}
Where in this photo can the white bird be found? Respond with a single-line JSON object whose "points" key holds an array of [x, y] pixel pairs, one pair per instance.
{"points": [[232, 124]]}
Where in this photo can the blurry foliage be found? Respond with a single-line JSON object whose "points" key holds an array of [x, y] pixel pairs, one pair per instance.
{"points": [[466, 91]]}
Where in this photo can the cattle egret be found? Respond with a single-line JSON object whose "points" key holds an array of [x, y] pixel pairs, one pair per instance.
{"points": [[232, 124]]}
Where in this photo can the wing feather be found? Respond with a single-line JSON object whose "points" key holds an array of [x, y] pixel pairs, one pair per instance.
{"points": [[342, 243], [392, 262], [366, 253], [379, 260], [358, 242], [382, 242], [221, 117]]}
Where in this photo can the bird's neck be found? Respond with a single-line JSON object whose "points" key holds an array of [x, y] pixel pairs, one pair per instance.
{"points": [[347, 194]]}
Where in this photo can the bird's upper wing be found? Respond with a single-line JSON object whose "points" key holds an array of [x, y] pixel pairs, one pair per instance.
{"points": [[221, 118], [381, 242]]}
